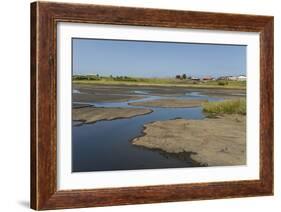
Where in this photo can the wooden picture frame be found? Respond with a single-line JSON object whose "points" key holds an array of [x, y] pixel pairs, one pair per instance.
{"points": [[44, 19]]}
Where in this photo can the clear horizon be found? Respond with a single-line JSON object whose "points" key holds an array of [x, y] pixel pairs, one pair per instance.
{"points": [[156, 59]]}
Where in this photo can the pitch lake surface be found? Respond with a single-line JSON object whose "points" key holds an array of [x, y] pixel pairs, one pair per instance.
{"points": [[106, 145]]}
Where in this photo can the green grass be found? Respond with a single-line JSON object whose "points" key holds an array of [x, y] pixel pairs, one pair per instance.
{"points": [[237, 106], [159, 82]]}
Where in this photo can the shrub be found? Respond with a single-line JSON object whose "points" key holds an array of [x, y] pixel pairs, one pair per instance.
{"points": [[237, 106], [125, 78], [222, 83]]}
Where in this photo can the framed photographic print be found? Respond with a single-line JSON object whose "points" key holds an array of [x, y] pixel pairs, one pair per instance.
{"points": [[136, 105]]}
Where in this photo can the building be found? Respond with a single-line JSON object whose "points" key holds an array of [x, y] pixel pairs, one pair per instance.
{"points": [[242, 78], [233, 78], [223, 78], [238, 78], [208, 78], [195, 78]]}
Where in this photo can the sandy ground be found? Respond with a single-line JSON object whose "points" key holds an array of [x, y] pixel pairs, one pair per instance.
{"points": [[92, 114], [165, 103], [215, 142]]}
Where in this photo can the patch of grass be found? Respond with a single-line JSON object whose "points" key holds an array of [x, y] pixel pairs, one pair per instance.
{"points": [[237, 106], [227, 83], [160, 82]]}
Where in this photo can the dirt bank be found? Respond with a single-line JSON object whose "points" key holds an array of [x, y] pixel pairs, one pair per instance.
{"points": [[216, 142], [92, 114], [178, 103]]}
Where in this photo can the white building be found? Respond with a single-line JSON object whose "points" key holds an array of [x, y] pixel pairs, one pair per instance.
{"points": [[241, 78], [237, 78]]}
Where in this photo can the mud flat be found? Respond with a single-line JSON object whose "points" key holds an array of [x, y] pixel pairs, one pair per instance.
{"points": [[166, 103], [77, 105], [100, 97], [215, 142], [92, 114], [105, 93], [224, 93]]}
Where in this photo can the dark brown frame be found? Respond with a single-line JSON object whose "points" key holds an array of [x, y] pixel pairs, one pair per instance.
{"points": [[44, 18]]}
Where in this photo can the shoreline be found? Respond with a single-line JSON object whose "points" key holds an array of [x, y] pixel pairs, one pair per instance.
{"points": [[100, 111], [182, 156], [170, 103]]}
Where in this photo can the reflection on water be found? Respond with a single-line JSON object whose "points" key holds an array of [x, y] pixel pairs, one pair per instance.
{"points": [[140, 92], [106, 145], [76, 91]]}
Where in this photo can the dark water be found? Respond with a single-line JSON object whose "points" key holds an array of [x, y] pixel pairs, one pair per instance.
{"points": [[106, 145]]}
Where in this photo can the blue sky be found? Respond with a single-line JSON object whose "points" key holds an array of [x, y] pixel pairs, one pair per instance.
{"points": [[156, 59]]}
